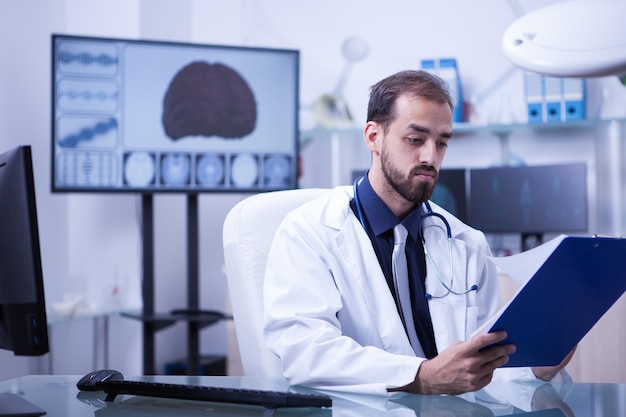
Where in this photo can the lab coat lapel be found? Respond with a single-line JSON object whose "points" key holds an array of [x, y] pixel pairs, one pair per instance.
{"points": [[363, 267]]}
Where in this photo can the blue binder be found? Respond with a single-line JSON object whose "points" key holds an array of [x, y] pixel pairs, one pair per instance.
{"points": [[581, 279]]}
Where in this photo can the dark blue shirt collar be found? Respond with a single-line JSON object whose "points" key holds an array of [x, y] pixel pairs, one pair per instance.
{"points": [[379, 217]]}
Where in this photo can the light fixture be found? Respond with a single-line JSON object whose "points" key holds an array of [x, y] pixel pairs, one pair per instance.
{"points": [[576, 38]]}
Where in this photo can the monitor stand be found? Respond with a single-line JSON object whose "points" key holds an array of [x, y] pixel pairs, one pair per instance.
{"points": [[14, 405]]}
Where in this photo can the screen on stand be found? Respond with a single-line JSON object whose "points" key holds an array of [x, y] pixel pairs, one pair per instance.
{"points": [[152, 116]]}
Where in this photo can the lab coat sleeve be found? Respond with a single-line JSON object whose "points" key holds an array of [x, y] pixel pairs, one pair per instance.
{"points": [[301, 324]]}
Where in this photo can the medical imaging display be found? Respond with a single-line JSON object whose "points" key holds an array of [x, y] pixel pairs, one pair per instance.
{"points": [[529, 199], [149, 116], [208, 100], [451, 192]]}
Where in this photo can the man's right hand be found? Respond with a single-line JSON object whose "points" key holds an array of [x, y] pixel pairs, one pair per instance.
{"points": [[462, 367]]}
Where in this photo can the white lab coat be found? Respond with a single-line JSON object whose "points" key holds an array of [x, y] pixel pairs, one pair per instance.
{"points": [[329, 314]]}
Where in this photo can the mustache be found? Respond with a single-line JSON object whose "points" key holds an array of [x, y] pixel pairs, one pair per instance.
{"points": [[425, 169]]}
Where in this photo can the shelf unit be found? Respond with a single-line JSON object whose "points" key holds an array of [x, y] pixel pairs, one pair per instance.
{"points": [[469, 129], [503, 132]]}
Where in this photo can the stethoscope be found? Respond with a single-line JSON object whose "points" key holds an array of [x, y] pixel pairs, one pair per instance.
{"points": [[429, 213]]}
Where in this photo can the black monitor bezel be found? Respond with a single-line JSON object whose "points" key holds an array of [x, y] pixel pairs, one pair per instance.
{"points": [[23, 310]]}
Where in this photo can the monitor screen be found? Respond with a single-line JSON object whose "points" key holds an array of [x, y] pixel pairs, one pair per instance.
{"points": [[529, 199], [23, 324], [451, 192], [150, 116]]}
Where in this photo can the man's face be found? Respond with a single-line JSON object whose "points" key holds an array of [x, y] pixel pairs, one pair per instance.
{"points": [[414, 146]]}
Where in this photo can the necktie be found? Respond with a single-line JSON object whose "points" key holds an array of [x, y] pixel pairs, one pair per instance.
{"points": [[401, 283]]}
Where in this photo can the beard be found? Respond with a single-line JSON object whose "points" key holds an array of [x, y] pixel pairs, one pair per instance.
{"points": [[404, 186]]}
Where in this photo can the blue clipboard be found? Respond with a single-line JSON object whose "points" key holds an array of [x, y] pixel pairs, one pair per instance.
{"points": [[576, 285]]}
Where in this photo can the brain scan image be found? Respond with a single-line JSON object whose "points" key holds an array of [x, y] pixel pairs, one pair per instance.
{"points": [[244, 170], [210, 170], [139, 169], [277, 170], [175, 169], [208, 100]]}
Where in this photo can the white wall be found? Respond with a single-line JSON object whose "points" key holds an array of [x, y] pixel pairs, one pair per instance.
{"points": [[91, 242]]}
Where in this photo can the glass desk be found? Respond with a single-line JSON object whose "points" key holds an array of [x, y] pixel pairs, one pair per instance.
{"points": [[59, 396]]}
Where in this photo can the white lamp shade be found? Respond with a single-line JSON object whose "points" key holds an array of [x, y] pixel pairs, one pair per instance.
{"points": [[576, 38]]}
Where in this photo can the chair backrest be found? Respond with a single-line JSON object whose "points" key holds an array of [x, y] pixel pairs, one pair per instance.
{"points": [[248, 232]]}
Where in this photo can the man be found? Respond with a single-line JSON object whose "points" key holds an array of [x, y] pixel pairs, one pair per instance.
{"points": [[332, 313]]}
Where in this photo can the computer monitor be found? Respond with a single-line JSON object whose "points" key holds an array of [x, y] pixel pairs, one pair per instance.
{"points": [[23, 324], [451, 192], [153, 116], [529, 199]]}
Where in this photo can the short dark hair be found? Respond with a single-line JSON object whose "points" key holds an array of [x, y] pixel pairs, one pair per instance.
{"points": [[416, 83]]}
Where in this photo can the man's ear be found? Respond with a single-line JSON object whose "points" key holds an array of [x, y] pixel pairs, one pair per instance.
{"points": [[372, 134]]}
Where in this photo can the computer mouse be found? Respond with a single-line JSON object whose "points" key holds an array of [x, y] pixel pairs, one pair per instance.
{"points": [[89, 381]]}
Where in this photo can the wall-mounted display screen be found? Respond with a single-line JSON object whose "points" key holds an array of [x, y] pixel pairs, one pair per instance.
{"points": [[529, 199], [148, 116]]}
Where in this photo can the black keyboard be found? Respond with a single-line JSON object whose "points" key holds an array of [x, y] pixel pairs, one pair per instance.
{"points": [[113, 384]]}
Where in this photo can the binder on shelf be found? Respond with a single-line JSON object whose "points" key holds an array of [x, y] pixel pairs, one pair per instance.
{"points": [[553, 99], [575, 97], [570, 283], [447, 69], [534, 96]]}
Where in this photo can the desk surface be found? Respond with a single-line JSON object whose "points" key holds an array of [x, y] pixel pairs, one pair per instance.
{"points": [[59, 396]]}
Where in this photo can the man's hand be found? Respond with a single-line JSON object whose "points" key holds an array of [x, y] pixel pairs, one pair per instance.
{"points": [[546, 373], [462, 367]]}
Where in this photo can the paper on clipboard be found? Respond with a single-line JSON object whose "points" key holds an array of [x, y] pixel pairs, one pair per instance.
{"points": [[521, 268], [524, 266]]}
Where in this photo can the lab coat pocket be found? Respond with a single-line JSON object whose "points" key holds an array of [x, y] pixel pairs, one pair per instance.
{"points": [[448, 316]]}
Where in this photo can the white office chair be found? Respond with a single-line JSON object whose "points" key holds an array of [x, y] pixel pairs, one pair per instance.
{"points": [[248, 231]]}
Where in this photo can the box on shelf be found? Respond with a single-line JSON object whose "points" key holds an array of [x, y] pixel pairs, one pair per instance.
{"points": [[447, 69]]}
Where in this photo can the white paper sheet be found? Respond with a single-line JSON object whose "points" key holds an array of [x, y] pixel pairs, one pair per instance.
{"points": [[521, 268]]}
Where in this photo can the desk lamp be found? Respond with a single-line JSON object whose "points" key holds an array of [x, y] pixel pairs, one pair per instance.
{"points": [[576, 38], [331, 110]]}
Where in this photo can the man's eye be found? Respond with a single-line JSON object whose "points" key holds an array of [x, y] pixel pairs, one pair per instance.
{"points": [[415, 140]]}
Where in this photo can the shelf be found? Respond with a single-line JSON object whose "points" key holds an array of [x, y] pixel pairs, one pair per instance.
{"points": [[504, 134], [463, 129], [467, 129], [164, 320]]}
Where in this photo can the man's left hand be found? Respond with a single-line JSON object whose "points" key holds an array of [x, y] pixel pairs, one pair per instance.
{"points": [[546, 373]]}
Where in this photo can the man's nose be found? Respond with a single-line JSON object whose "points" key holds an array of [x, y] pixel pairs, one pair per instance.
{"points": [[428, 153]]}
